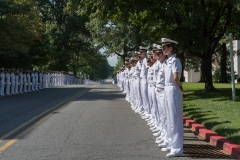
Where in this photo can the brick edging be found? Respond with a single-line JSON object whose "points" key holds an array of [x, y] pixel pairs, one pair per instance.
{"points": [[212, 137]]}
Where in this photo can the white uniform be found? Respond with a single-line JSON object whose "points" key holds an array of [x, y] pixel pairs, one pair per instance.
{"points": [[130, 79], [21, 82], [36, 81], [127, 89], [44, 83], [144, 87], [2, 81], [24, 82], [137, 87], [49, 78], [7, 76], [173, 101], [40, 80], [29, 81], [12, 75], [16, 83], [162, 108], [54, 79], [150, 93], [33, 81], [155, 111]]}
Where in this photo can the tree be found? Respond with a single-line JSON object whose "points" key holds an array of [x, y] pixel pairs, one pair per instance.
{"points": [[197, 26], [70, 41], [20, 29], [115, 38]]}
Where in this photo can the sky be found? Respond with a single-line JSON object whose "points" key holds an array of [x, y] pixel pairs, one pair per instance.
{"points": [[112, 60]]}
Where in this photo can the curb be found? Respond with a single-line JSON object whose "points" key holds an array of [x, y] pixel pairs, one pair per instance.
{"points": [[213, 138]]}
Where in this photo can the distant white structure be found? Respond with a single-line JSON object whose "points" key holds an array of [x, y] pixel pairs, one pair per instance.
{"points": [[192, 76], [236, 58]]}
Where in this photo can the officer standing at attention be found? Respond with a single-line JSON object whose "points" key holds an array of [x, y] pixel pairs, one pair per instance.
{"points": [[16, 82], [33, 80], [24, 73], [138, 101], [149, 86], [7, 76], [21, 80], [143, 77], [163, 139], [156, 125], [29, 80], [36, 80], [173, 97], [41, 80], [2, 81], [12, 75], [44, 79], [150, 89], [48, 79], [131, 80]]}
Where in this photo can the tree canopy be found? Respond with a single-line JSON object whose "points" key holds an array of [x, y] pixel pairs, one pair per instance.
{"points": [[73, 35], [200, 27], [45, 34]]}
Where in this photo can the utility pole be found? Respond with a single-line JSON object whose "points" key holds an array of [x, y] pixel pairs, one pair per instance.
{"points": [[232, 67]]}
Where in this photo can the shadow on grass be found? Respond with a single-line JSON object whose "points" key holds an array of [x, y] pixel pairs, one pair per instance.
{"points": [[197, 114], [209, 119], [229, 131], [224, 94]]}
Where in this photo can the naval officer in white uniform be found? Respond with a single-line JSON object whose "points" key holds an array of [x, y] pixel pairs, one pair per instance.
{"points": [[12, 76], [143, 77], [173, 98], [2, 82]]}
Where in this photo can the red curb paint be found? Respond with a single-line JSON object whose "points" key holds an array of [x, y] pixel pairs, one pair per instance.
{"points": [[213, 138]]}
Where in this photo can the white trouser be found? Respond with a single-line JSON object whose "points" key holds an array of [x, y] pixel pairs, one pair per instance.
{"points": [[127, 89], [155, 111], [40, 84], [150, 102], [7, 87], [144, 94], [16, 87], [2, 88], [173, 101], [131, 91], [122, 85], [29, 85], [162, 110], [12, 87], [21, 86], [36, 84], [33, 85], [138, 97], [25, 86]]}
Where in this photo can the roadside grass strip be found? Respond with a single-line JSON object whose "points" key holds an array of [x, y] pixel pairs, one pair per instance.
{"points": [[215, 110]]}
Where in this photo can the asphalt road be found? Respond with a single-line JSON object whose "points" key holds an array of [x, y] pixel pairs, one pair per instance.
{"points": [[80, 122]]}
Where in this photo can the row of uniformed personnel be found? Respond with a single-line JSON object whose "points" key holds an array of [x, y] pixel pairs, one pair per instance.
{"points": [[18, 81], [151, 81]]}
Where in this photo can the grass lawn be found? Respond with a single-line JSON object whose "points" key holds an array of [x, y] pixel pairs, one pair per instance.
{"points": [[215, 110]]}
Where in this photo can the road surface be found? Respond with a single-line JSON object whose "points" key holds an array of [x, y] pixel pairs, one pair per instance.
{"points": [[83, 122]]}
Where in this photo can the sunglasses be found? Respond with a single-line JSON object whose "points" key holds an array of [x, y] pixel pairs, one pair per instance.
{"points": [[164, 47]]}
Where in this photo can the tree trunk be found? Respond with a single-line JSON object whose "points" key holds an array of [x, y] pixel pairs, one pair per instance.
{"points": [[223, 63], [202, 78], [138, 37], [207, 61], [182, 59]]}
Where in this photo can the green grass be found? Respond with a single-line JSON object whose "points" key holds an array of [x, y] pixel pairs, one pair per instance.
{"points": [[215, 110]]}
